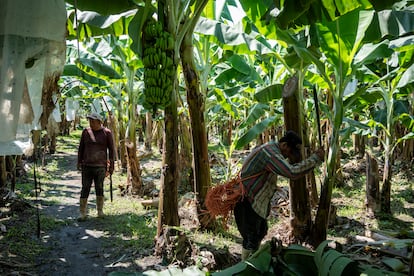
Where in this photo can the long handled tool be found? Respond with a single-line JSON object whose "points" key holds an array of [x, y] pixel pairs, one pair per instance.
{"points": [[110, 186], [37, 191], [318, 121]]}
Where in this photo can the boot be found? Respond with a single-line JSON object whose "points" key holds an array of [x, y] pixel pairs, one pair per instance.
{"points": [[99, 206], [245, 254], [83, 209]]}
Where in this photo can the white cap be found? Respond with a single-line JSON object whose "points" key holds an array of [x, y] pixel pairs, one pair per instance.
{"points": [[94, 116]]}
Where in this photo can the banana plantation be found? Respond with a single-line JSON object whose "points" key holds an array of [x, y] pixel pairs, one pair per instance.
{"points": [[200, 84]]}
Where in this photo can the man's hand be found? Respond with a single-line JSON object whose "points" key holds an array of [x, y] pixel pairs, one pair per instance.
{"points": [[111, 167], [320, 153]]}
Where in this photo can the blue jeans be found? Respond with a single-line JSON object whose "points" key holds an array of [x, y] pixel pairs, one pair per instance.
{"points": [[95, 175]]}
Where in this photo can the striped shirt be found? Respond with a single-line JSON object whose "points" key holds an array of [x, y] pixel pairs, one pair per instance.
{"points": [[266, 161]]}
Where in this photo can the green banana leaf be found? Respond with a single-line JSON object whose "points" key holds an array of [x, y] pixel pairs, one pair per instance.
{"points": [[98, 69], [105, 7], [240, 64], [74, 71], [228, 75], [299, 260], [256, 112], [231, 37], [371, 52], [398, 23], [296, 13], [92, 24], [331, 262], [407, 77], [341, 39], [255, 131], [394, 264], [135, 28], [258, 264], [269, 93]]}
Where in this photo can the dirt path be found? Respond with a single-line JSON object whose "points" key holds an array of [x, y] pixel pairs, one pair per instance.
{"points": [[76, 248]]}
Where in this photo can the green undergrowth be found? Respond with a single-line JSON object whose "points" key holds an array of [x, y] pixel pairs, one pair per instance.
{"points": [[21, 242], [125, 218]]}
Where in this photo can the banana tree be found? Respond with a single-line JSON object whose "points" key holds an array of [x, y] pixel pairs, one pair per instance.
{"points": [[392, 87], [195, 100], [232, 108], [339, 40], [177, 20], [127, 62]]}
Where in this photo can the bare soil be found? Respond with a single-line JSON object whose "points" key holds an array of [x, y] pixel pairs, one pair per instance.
{"points": [[77, 248]]}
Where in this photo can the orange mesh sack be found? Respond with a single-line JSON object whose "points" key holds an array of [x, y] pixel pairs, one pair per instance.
{"points": [[221, 199]]}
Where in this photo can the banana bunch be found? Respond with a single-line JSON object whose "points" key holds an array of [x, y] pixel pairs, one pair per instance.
{"points": [[159, 70]]}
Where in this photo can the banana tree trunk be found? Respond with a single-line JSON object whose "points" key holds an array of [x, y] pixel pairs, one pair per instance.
{"points": [[36, 140], [386, 182], [372, 196], [388, 155], [3, 172], [134, 171], [186, 154], [359, 142], [168, 205], [320, 225], [148, 132], [196, 106], [122, 146], [11, 168], [300, 215]]}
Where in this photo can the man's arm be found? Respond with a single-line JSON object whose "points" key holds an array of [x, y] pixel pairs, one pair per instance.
{"points": [[279, 165]]}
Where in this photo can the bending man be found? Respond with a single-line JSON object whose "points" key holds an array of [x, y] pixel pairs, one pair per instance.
{"points": [[265, 163]]}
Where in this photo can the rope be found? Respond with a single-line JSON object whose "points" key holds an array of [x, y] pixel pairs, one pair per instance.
{"points": [[221, 199]]}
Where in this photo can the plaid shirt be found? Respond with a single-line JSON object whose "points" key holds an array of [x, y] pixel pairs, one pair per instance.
{"points": [[266, 161]]}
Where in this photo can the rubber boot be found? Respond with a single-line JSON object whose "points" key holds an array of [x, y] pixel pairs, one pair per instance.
{"points": [[99, 206], [83, 204], [245, 254]]}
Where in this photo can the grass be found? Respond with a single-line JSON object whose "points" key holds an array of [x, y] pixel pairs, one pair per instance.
{"points": [[130, 222], [20, 242]]}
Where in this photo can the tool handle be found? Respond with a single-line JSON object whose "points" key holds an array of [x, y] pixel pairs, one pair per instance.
{"points": [[110, 186], [318, 121]]}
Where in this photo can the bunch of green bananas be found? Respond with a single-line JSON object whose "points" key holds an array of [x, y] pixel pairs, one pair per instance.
{"points": [[158, 51]]}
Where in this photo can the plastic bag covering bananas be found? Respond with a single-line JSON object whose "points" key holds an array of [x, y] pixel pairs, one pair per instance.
{"points": [[159, 69]]}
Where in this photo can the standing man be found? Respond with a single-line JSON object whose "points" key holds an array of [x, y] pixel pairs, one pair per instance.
{"points": [[263, 165], [95, 160]]}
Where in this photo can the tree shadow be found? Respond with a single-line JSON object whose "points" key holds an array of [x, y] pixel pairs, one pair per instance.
{"points": [[98, 246]]}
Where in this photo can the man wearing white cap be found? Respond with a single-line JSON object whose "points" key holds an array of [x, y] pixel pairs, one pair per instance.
{"points": [[95, 159]]}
